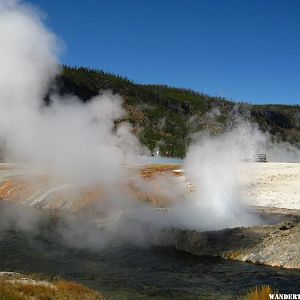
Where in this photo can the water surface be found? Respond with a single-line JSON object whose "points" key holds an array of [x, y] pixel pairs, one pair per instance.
{"points": [[127, 272], [161, 160]]}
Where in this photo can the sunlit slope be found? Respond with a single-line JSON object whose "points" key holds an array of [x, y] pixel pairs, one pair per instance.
{"points": [[165, 117]]}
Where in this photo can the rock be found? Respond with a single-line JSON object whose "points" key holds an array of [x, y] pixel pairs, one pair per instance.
{"points": [[9, 275], [274, 245], [19, 279], [286, 225]]}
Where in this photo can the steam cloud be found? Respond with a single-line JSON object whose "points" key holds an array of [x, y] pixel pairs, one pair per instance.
{"points": [[71, 139], [76, 142], [213, 164], [81, 143]]}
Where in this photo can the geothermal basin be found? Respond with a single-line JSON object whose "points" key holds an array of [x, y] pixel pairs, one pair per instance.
{"points": [[123, 269]]}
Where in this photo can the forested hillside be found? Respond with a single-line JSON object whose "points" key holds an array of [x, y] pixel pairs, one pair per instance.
{"points": [[164, 117]]}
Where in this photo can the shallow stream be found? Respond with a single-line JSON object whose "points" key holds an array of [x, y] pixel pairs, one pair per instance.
{"points": [[127, 272]]}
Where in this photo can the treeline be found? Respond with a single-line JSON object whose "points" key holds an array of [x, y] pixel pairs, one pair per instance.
{"points": [[165, 118]]}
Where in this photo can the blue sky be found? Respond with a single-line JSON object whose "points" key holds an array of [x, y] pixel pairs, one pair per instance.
{"points": [[246, 50]]}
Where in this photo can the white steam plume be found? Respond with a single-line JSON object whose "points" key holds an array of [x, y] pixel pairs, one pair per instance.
{"points": [[213, 166], [279, 151], [79, 142]]}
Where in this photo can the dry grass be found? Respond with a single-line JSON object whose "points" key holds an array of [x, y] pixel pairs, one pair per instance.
{"points": [[233, 255], [259, 293], [16, 289]]}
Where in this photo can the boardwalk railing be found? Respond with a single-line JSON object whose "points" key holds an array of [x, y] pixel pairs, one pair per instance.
{"points": [[260, 157]]}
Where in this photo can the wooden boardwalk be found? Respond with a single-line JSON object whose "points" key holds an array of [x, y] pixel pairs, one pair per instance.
{"points": [[260, 157]]}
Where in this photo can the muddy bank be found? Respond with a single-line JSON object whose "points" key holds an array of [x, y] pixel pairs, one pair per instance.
{"points": [[275, 245]]}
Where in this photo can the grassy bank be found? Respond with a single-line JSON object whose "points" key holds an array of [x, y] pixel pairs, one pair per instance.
{"points": [[15, 286]]}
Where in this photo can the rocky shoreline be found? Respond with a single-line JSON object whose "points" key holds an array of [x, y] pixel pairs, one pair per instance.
{"points": [[276, 245]]}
